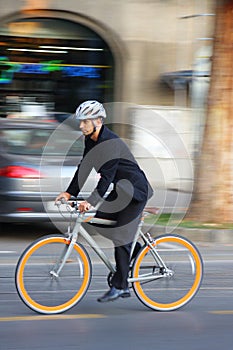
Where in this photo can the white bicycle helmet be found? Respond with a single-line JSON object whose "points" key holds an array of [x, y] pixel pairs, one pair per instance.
{"points": [[90, 110]]}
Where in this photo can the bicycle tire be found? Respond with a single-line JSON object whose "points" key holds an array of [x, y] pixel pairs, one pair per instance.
{"points": [[43, 292], [168, 292]]}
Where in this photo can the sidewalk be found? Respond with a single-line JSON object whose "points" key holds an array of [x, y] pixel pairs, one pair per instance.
{"points": [[204, 237], [222, 236]]}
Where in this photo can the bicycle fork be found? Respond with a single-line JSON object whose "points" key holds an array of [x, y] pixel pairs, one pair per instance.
{"points": [[65, 254], [62, 260]]}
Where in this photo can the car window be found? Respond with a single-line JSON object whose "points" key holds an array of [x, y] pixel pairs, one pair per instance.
{"points": [[37, 141], [64, 146]]}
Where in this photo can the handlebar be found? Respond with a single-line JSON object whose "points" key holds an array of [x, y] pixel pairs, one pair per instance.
{"points": [[91, 219], [73, 203], [70, 203]]}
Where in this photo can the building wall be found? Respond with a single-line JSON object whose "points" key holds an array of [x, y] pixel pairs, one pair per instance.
{"points": [[148, 38]]}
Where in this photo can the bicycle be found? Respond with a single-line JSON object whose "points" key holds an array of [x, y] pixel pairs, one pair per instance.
{"points": [[54, 273]]}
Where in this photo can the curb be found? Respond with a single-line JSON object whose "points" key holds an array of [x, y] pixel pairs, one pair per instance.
{"points": [[223, 236]]}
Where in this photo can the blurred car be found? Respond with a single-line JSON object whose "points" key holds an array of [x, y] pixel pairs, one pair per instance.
{"points": [[37, 161]]}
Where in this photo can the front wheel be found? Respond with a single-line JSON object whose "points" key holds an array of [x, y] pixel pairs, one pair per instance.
{"points": [[41, 285], [172, 281]]}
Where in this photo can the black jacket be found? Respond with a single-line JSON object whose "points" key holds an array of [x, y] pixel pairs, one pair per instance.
{"points": [[110, 157]]}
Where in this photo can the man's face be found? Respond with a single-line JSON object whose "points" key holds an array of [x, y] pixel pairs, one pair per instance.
{"points": [[86, 126]]}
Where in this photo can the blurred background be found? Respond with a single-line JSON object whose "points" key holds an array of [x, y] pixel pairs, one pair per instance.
{"points": [[148, 61], [58, 54]]}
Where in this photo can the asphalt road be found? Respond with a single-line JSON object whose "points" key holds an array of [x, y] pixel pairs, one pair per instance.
{"points": [[205, 323]]}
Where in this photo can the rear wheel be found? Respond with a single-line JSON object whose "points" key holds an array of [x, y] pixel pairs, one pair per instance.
{"points": [[171, 287], [37, 282]]}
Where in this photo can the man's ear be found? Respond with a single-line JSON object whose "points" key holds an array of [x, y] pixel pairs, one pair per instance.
{"points": [[99, 121]]}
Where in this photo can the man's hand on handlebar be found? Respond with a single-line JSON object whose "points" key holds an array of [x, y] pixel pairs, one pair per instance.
{"points": [[62, 195], [84, 206]]}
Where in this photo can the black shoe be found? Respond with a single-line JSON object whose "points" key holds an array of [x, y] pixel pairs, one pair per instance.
{"points": [[114, 294]]}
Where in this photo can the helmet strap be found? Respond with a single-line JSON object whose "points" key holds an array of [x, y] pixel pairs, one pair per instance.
{"points": [[94, 130]]}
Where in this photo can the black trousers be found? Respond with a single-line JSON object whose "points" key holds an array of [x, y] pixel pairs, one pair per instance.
{"points": [[122, 235]]}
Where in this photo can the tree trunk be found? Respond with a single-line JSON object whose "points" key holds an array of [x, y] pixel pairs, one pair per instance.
{"points": [[213, 197]]}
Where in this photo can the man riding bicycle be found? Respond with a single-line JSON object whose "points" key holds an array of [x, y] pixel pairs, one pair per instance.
{"points": [[112, 159]]}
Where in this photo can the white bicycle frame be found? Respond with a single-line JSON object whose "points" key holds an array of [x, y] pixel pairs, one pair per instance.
{"points": [[79, 229]]}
